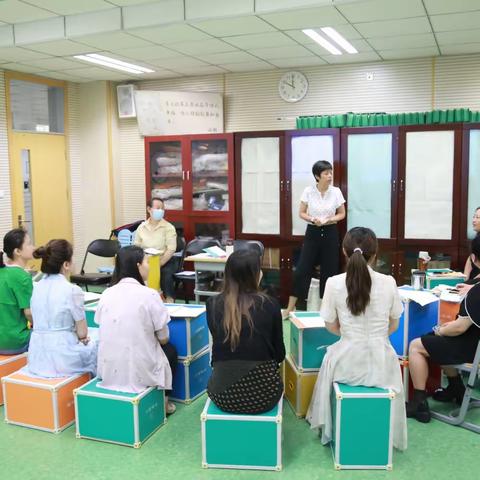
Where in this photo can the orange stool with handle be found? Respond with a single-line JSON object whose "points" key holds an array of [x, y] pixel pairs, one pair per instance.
{"points": [[10, 364]]}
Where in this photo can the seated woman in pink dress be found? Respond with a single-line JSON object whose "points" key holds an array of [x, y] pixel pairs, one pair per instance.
{"points": [[133, 351]]}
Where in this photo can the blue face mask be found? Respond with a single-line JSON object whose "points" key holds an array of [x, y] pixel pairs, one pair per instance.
{"points": [[158, 215]]}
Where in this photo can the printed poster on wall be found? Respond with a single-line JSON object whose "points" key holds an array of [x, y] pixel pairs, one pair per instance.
{"points": [[177, 113]]}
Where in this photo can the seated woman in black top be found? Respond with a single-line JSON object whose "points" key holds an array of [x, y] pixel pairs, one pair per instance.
{"points": [[246, 328], [472, 265], [453, 343]]}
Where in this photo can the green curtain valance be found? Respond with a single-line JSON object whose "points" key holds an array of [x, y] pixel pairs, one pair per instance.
{"points": [[388, 119]]}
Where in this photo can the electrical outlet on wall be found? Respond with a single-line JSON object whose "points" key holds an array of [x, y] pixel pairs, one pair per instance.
{"points": [[370, 76]]}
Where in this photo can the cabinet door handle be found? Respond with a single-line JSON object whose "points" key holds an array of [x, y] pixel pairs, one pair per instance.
{"points": [[288, 186], [183, 175], [188, 174], [281, 262], [401, 185], [394, 186], [393, 269], [399, 269], [281, 186]]}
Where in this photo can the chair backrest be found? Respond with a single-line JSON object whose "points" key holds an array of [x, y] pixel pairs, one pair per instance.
{"points": [[104, 248], [132, 227], [125, 237], [252, 245], [198, 244]]}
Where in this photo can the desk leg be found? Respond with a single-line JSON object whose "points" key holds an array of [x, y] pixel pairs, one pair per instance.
{"points": [[197, 297]]}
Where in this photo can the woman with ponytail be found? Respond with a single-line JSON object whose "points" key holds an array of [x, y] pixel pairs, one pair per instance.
{"points": [[362, 307], [59, 345], [15, 292], [246, 328]]}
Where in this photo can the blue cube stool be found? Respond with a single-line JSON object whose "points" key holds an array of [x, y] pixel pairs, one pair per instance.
{"points": [[362, 436], [191, 378], [309, 340], [251, 442], [414, 322], [118, 417], [188, 329]]}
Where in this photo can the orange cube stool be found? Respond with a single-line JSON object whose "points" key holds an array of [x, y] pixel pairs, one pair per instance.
{"points": [[10, 364], [40, 403], [448, 311]]}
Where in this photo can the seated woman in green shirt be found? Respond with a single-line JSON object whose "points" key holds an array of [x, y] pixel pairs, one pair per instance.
{"points": [[15, 292]]}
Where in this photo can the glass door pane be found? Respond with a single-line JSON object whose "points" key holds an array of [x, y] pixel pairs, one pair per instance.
{"points": [[306, 150], [166, 173], [27, 220], [369, 182], [260, 185], [210, 175], [429, 185], [218, 231], [473, 180]]}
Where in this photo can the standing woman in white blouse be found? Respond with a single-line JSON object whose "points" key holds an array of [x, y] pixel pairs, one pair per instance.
{"points": [[322, 207]]}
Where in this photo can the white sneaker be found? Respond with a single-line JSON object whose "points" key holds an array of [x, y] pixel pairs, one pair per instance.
{"points": [[171, 408]]}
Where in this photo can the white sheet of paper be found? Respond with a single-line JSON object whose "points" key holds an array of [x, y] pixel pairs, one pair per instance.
{"points": [[215, 252], [310, 321], [421, 297], [187, 311], [152, 251], [189, 273], [91, 297]]}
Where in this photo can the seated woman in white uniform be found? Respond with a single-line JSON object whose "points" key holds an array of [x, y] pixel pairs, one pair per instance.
{"points": [[363, 307], [59, 345]]}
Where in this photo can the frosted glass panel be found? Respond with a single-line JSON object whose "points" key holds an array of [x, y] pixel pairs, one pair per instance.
{"points": [[429, 185], [260, 185], [473, 179], [305, 152], [369, 182]]}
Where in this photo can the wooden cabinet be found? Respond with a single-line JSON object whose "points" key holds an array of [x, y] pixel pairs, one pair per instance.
{"points": [[193, 174]]}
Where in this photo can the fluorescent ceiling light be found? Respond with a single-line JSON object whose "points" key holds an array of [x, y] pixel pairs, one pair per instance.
{"points": [[113, 63], [315, 36], [336, 37]]}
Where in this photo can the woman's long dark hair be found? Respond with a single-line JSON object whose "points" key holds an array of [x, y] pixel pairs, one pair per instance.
{"points": [[360, 245], [126, 264], [12, 240], [54, 254], [240, 289]]}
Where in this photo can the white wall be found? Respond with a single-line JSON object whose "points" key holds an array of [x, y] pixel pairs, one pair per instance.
{"points": [[5, 201], [252, 102]]}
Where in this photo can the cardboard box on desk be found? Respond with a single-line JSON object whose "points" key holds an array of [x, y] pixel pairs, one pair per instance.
{"points": [[415, 321], [188, 329], [309, 340]]}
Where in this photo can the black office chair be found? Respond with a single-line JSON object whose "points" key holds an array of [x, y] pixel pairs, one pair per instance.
{"points": [[253, 245], [100, 248], [194, 247]]}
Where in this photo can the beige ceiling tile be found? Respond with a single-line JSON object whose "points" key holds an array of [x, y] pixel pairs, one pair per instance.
{"points": [[126, 3], [19, 67], [179, 62], [214, 8], [409, 53], [455, 21], [113, 40], [14, 11], [228, 57], [234, 26], [63, 76], [96, 73], [18, 54], [170, 34], [403, 41], [388, 28], [347, 31], [458, 37], [146, 53], [360, 44], [281, 52], [203, 47], [69, 7], [56, 63], [460, 49], [161, 73], [305, 18], [260, 40], [6, 36], [359, 57], [371, 10], [152, 14], [298, 62], [269, 5], [255, 66], [93, 23], [206, 70], [61, 48], [436, 7]]}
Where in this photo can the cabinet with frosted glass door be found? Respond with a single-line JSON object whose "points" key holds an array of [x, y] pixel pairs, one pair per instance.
{"points": [[193, 174]]}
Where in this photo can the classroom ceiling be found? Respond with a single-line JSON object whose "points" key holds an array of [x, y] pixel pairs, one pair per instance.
{"points": [[200, 37]]}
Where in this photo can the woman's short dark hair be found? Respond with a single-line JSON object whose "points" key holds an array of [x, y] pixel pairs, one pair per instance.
{"points": [[126, 264], [150, 202], [360, 245], [12, 240], [54, 254], [320, 167]]}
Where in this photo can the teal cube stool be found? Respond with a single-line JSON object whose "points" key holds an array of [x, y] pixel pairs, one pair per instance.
{"points": [[118, 417], [309, 340], [90, 309], [251, 442], [362, 436]]}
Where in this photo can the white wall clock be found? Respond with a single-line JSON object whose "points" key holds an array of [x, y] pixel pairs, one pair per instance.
{"points": [[293, 86]]}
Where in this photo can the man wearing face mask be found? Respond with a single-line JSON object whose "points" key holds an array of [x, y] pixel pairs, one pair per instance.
{"points": [[157, 233]]}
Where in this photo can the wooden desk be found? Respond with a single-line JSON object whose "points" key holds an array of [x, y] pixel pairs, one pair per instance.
{"points": [[205, 263]]}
